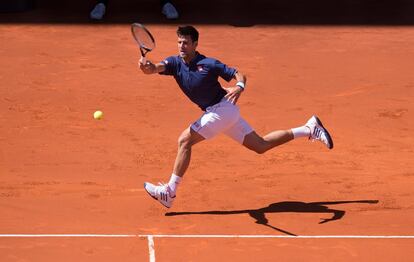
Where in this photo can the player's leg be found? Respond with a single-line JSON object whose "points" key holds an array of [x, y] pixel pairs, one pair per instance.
{"points": [[262, 144], [165, 194], [245, 135], [216, 119], [186, 140]]}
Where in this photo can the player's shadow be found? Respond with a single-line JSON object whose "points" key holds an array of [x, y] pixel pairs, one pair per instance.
{"points": [[281, 207]]}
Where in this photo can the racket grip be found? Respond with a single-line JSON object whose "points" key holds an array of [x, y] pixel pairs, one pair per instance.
{"points": [[143, 60]]}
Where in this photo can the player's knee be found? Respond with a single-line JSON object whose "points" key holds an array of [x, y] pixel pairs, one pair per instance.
{"points": [[184, 141], [259, 146], [260, 150]]}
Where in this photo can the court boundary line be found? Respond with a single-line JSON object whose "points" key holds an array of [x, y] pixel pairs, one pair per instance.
{"points": [[151, 244], [203, 236]]}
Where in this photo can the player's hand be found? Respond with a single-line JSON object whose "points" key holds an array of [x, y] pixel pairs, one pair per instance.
{"points": [[143, 60], [146, 66], [233, 93]]}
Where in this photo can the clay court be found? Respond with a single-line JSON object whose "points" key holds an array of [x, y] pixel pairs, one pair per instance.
{"points": [[71, 186]]}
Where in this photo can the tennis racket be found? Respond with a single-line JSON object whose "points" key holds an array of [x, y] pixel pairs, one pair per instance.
{"points": [[144, 39]]}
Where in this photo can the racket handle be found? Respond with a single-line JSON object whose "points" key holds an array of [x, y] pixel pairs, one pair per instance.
{"points": [[143, 60]]}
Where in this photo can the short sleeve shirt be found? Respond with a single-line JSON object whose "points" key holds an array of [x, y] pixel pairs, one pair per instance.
{"points": [[199, 79]]}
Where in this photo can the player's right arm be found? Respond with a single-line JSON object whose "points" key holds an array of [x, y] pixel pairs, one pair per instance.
{"points": [[150, 68]]}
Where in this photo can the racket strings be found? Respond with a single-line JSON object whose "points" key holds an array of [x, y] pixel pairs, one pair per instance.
{"points": [[143, 38]]}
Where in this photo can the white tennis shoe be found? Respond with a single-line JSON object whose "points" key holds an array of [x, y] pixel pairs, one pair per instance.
{"points": [[169, 11], [318, 132], [98, 11], [162, 193]]}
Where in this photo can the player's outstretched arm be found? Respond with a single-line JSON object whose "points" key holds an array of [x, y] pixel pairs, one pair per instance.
{"points": [[148, 67]]}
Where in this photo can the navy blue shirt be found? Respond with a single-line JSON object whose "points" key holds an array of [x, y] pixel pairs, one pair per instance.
{"points": [[199, 79]]}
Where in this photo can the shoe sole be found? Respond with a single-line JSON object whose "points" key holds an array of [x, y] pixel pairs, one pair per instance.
{"points": [[328, 136], [154, 196]]}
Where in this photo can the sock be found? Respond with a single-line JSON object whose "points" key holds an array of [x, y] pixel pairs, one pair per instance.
{"points": [[173, 184], [302, 131]]}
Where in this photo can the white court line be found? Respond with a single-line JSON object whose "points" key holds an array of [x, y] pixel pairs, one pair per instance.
{"points": [[200, 236], [151, 248], [67, 235], [273, 236]]}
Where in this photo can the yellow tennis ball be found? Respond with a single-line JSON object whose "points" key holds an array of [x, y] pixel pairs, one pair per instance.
{"points": [[98, 115]]}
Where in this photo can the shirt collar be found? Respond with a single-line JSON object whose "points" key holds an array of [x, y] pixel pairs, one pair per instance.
{"points": [[193, 61]]}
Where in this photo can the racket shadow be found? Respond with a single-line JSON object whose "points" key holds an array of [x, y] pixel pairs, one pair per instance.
{"points": [[282, 207]]}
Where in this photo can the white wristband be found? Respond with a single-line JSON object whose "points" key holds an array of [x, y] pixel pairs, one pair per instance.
{"points": [[241, 84]]}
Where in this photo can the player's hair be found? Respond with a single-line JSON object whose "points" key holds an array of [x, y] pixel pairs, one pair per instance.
{"points": [[188, 30]]}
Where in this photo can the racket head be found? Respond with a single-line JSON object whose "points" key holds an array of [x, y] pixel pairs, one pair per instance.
{"points": [[143, 37]]}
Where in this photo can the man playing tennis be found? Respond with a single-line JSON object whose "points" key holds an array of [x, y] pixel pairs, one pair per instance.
{"points": [[197, 76]]}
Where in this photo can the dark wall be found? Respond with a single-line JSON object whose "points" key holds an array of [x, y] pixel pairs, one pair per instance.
{"points": [[238, 13]]}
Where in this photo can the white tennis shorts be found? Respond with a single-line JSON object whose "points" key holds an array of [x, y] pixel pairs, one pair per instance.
{"points": [[223, 117]]}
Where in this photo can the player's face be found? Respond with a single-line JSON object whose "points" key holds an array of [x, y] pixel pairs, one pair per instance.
{"points": [[186, 46]]}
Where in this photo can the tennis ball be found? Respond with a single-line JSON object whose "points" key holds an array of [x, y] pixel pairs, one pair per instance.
{"points": [[98, 115]]}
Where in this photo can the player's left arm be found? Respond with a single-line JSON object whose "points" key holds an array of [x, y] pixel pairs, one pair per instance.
{"points": [[234, 92]]}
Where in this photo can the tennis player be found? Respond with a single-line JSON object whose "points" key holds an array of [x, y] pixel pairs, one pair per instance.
{"points": [[197, 76]]}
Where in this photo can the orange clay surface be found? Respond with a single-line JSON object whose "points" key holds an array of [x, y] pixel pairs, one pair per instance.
{"points": [[63, 172]]}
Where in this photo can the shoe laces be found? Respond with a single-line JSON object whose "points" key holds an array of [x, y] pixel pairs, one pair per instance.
{"points": [[318, 134], [164, 185]]}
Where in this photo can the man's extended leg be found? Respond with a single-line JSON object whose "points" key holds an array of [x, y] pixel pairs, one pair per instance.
{"points": [[165, 194], [262, 144], [186, 140], [313, 129]]}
